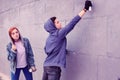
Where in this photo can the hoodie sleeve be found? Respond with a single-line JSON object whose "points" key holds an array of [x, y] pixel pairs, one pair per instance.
{"points": [[64, 31]]}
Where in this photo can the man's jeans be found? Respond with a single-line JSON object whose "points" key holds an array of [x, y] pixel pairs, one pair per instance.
{"points": [[28, 75], [51, 73]]}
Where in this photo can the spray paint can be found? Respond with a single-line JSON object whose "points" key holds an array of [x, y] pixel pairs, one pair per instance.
{"points": [[30, 70], [90, 8]]}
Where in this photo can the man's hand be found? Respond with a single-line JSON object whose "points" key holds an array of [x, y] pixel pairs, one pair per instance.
{"points": [[87, 4]]}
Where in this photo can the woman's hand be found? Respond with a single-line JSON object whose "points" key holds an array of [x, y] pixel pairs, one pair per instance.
{"points": [[14, 47], [32, 69]]}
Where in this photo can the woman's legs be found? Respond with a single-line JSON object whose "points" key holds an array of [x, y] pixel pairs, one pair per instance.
{"points": [[15, 76], [28, 75]]}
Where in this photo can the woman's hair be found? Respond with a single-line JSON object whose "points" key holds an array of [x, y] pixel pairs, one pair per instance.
{"points": [[53, 19], [10, 32]]}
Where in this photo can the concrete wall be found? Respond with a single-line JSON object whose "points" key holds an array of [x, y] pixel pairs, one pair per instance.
{"points": [[94, 50]]}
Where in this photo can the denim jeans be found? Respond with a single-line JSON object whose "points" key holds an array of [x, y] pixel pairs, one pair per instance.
{"points": [[27, 74], [51, 73]]}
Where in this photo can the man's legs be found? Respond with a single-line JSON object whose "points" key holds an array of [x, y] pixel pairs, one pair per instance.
{"points": [[52, 73], [45, 76]]}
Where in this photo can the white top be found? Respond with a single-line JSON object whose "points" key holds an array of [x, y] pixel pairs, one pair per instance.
{"points": [[21, 55]]}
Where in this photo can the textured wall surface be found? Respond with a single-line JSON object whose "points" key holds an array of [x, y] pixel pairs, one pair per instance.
{"points": [[94, 44]]}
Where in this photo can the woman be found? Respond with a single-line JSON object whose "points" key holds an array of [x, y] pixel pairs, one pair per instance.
{"points": [[20, 55]]}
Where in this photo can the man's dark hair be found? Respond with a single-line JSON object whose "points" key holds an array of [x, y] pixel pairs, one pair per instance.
{"points": [[53, 19]]}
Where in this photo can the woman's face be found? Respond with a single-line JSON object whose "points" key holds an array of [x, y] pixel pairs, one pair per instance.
{"points": [[15, 34]]}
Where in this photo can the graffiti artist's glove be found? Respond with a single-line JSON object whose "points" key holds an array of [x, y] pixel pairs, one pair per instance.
{"points": [[87, 4]]}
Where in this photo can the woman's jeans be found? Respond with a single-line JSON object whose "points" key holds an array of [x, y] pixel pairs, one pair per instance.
{"points": [[51, 73], [27, 74]]}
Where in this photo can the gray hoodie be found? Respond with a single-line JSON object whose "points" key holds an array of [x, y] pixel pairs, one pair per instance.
{"points": [[55, 46]]}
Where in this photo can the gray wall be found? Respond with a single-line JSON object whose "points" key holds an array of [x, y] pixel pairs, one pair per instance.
{"points": [[94, 50]]}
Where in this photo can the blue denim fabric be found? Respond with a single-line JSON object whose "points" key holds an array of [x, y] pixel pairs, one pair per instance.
{"points": [[51, 73], [12, 55], [28, 75]]}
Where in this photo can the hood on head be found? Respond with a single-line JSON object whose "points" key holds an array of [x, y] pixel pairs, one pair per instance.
{"points": [[49, 26]]}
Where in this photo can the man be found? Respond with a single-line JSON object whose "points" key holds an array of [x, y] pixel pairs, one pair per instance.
{"points": [[56, 42]]}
